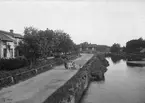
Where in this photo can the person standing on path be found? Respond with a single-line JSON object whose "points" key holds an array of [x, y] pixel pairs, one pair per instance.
{"points": [[65, 60]]}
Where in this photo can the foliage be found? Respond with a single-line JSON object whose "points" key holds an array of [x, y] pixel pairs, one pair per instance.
{"points": [[115, 48], [29, 47], [76, 48], [42, 43], [135, 45], [45, 42], [11, 64], [115, 59], [102, 48], [84, 45], [123, 49], [64, 43], [8, 72]]}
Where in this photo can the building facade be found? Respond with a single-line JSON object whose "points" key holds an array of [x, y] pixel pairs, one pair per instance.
{"points": [[88, 48], [8, 43]]}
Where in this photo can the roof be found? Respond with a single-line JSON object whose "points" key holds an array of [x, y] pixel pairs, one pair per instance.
{"points": [[4, 37], [92, 45], [15, 35], [89, 45]]}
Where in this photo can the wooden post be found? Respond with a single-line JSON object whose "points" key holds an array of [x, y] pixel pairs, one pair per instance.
{"points": [[12, 79]]}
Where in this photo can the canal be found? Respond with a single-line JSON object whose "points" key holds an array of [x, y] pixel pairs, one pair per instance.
{"points": [[122, 84]]}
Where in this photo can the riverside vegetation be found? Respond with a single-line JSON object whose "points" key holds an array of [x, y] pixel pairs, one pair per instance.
{"points": [[134, 50]]}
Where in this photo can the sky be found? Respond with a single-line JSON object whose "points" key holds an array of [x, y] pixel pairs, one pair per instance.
{"points": [[101, 22]]}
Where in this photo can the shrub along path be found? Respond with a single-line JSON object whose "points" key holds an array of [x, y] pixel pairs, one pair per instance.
{"points": [[50, 60], [37, 89], [9, 72]]}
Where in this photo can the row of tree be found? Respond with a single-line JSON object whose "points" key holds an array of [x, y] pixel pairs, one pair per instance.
{"points": [[135, 45], [42, 43], [132, 46], [115, 48]]}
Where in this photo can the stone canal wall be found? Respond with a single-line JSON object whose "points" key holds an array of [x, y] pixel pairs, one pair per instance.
{"points": [[73, 89]]}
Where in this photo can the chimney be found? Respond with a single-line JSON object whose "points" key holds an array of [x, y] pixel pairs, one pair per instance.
{"points": [[11, 31]]}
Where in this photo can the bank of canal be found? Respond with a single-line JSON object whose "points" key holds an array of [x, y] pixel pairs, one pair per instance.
{"points": [[122, 84]]}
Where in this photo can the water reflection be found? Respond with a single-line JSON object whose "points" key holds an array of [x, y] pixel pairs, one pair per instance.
{"points": [[115, 59], [123, 84]]}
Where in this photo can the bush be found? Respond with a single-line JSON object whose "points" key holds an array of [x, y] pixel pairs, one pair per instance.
{"points": [[11, 64], [58, 61]]}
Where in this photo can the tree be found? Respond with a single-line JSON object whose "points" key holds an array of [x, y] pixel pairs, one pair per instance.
{"points": [[76, 48], [36, 43], [40, 43], [29, 46], [135, 45], [63, 42], [84, 45], [45, 42], [115, 48], [123, 48]]}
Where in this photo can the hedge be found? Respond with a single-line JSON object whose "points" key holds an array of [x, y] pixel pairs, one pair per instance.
{"points": [[14, 63], [54, 61]]}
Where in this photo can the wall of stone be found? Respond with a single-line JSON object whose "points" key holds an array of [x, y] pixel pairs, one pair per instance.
{"points": [[73, 89]]}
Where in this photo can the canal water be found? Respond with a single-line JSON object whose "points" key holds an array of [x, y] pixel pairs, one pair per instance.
{"points": [[122, 84]]}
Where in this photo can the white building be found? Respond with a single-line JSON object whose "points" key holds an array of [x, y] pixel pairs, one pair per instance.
{"points": [[8, 43]]}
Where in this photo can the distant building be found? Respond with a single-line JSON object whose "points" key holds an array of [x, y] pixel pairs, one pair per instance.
{"points": [[93, 48], [8, 42], [88, 48]]}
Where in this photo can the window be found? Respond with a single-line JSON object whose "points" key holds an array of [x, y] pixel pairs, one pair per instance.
{"points": [[4, 43], [11, 53], [15, 52], [5, 52]]}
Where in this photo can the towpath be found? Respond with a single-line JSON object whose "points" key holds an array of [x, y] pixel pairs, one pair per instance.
{"points": [[40, 87]]}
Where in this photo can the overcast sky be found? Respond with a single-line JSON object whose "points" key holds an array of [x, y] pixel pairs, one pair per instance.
{"points": [[100, 22]]}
